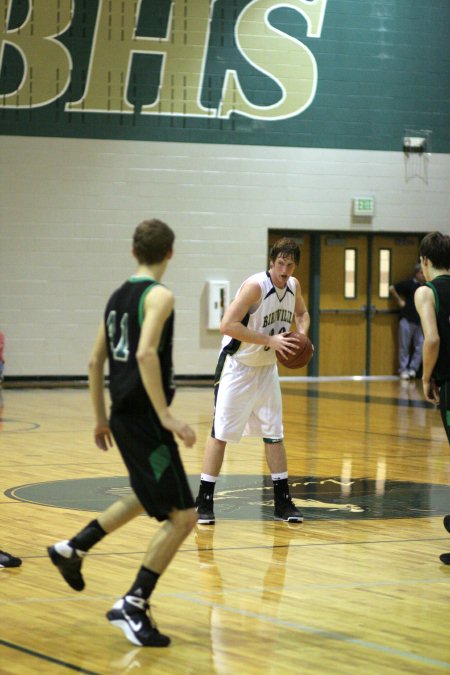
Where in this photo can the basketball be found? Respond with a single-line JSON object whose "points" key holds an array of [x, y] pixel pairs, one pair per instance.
{"points": [[303, 352]]}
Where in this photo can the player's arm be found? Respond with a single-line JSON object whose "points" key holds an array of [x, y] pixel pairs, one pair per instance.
{"points": [[247, 300], [102, 433], [425, 305], [158, 306], [301, 314]]}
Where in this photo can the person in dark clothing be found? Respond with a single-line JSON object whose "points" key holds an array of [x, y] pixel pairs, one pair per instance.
{"points": [[433, 305], [2, 358], [136, 338], [410, 336]]}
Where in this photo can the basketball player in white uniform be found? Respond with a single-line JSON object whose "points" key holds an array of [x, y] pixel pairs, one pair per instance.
{"points": [[247, 388]]}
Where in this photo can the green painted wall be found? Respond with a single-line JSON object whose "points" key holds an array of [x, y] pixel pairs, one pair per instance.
{"points": [[323, 73]]}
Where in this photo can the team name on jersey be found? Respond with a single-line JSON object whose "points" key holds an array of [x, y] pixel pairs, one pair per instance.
{"points": [[279, 315]]}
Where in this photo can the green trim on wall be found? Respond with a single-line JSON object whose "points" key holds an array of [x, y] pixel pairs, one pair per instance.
{"points": [[361, 75]]}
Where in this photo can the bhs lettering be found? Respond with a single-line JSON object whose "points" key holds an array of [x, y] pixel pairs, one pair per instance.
{"points": [[48, 64]]}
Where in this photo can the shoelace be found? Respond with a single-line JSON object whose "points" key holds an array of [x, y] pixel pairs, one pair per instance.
{"points": [[140, 603]]}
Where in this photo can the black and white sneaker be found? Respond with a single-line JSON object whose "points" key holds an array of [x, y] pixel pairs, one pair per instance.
{"points": [[132, 615], [68, 561], [445, 557], [8, 560], [205, 510], [287, 511]]}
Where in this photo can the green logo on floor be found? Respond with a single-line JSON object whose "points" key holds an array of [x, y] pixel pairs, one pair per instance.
{"points": [[242, 497]]}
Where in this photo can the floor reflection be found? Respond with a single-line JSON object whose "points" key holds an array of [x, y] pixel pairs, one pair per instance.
{"points": [[226, 635]]}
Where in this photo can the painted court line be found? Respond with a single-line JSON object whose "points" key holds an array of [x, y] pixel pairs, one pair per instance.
{"points": [[354, 584], [45, 657], [328, 635]]}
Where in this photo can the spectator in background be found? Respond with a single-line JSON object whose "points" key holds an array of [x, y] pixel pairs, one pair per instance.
{"points": [[2, 358], [410, 336], [6, 559]]}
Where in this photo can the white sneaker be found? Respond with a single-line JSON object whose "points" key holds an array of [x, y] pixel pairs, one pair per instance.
{"points": [[412, 374], [404, 375]]}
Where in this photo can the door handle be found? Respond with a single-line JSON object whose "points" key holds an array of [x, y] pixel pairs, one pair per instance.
{"points": [[369, 311], [341, 311]]}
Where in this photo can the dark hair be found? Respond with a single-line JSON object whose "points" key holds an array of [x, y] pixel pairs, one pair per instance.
{"points": [[436, 247], [152, 241], [285, 248]]}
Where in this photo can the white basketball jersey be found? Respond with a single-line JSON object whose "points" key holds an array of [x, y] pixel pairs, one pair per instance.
{"points": [[274, 314]]}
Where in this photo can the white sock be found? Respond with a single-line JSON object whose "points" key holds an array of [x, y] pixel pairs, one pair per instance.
{"points": [[279, 476], [207, 478], [64, 549]]}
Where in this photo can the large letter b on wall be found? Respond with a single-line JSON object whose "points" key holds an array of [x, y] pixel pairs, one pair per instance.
{"points": [[46, 62]]}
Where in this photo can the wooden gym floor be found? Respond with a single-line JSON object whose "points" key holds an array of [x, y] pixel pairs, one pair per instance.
{"points": [[358, 588]]}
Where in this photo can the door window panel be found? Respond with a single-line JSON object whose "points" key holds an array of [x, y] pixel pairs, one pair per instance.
{"points": [[384, 272], [350, 273]]}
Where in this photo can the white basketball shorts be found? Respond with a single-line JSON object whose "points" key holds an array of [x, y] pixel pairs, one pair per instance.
{"points": [[248, 402]]}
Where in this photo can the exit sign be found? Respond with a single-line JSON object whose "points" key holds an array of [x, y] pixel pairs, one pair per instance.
{"points": [[363, 206]]}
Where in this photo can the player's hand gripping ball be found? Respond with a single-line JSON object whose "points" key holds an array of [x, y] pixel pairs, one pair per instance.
{"points": [[304, 351]]}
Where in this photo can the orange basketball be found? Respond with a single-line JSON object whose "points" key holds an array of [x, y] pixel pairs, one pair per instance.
{"points": [[304, 351]]}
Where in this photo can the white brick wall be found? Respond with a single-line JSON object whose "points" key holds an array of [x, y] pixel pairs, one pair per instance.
{"points": [[68, 208]]}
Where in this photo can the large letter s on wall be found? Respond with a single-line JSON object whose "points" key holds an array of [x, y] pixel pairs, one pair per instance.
{"points": [[279, 56]]}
